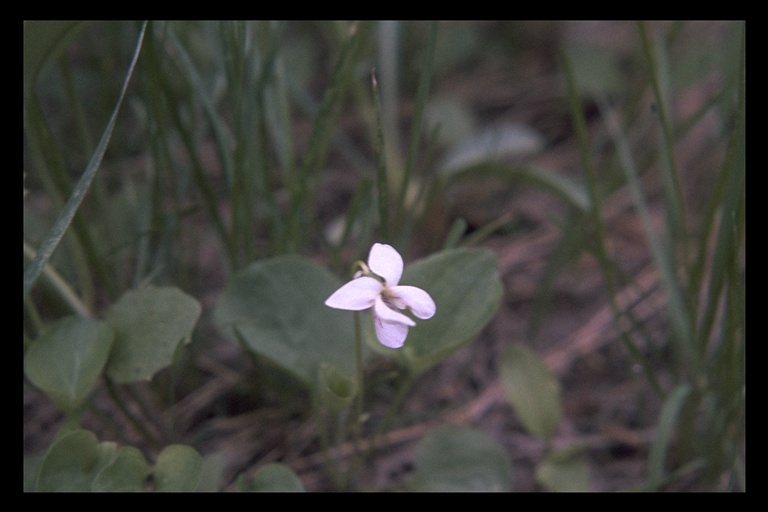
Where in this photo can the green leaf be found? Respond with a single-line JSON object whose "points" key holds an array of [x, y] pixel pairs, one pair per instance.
{"points": [[70, 464], [127, 472], [77, 462], [150, 323], [274, 477], [455, 458], [532, 389], [212, 475], [564, 471], [467, 290], [276, 309], [67, 359], [178, 469]]}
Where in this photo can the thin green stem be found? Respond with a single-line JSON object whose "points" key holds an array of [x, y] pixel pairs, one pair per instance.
{"points": [[394, 408], [323, 415], [357, 418], [60, 285], [35, 319], [112, 390], [360, 374], [150, 411]]}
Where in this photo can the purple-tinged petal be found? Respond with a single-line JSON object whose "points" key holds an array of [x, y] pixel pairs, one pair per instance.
{"points": [[415, 299], [356, 295], [386, 262]]}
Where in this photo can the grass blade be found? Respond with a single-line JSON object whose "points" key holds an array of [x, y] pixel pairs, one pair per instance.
{"points": [[382, 184], [73, 203], [657, 243], [322, 129], [673, 192], [668, 418], [418, 115], [221, 135]]}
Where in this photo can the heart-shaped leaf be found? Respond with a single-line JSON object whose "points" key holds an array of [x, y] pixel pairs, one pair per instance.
{"points": [[564, 471], [178, 469], [274, 477], [126, 473], [456, 458], [212, 475], [70, 464], [150, 323], [532, 389], [67, 359], [77, 462], [276, 309], [467, 290]]}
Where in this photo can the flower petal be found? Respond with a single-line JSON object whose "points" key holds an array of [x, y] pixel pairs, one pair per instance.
{"points": [[390, 334], [386, 262], [381, 310], [415, 299], [356, 295]]}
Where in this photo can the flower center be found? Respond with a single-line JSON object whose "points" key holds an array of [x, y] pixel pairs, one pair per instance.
{"points": [[388, 297], [364, 270]]}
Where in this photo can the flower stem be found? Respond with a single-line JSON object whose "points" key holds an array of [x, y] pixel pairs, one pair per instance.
{"points": [[112, 391], [394, 407], [359, 364], [358, 416], [325, 419]]}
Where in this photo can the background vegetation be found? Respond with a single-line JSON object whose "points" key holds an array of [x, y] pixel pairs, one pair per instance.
{"points": [[593, 171]]}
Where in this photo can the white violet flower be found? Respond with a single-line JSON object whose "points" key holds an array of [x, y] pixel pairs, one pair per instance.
{"points": [[376, 286]]}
